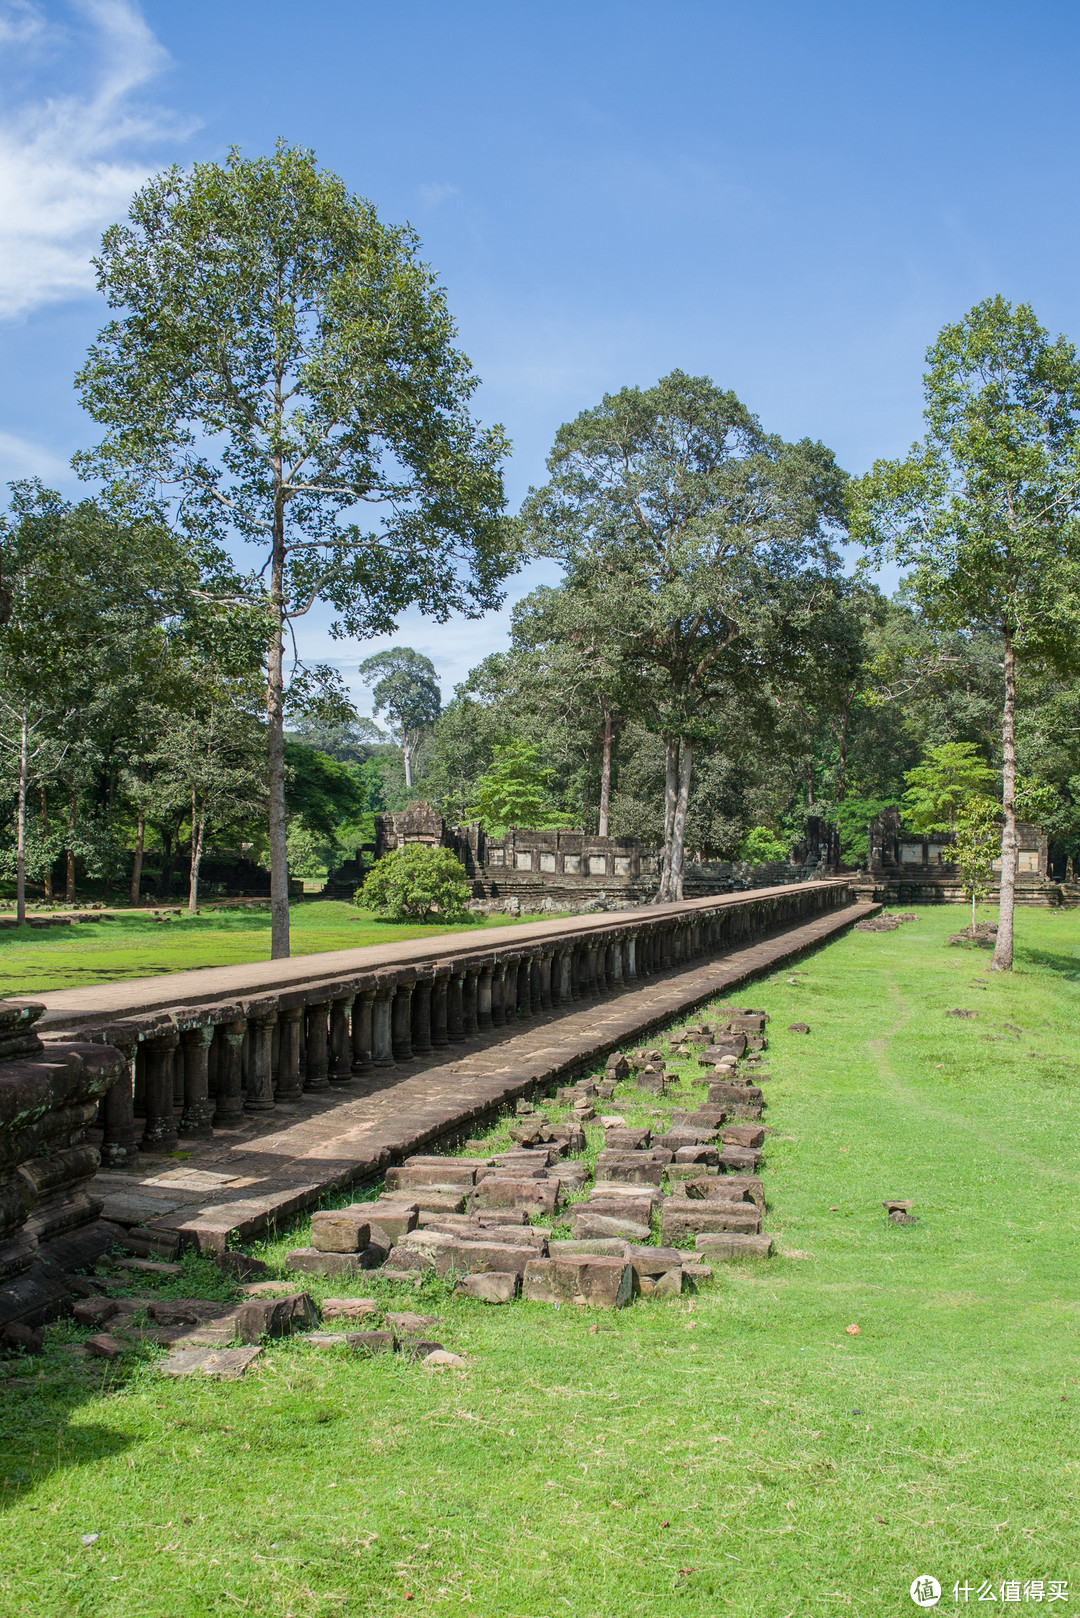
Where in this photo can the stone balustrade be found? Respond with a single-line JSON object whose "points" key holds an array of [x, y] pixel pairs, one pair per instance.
{"points": [[277, 1032]]}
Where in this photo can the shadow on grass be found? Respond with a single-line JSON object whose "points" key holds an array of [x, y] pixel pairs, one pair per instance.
{"points": [[40, 1433], [1066, 966]]}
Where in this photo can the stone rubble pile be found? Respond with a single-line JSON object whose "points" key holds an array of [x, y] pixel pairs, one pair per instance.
{"points": [[489, 1219], [884, 923]]}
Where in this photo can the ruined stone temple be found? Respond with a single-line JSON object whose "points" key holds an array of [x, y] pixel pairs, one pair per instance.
{"points": [[569, 867], [906, 867]]}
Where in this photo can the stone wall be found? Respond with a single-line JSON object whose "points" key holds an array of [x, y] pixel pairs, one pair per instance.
{"points": [[49, 1098]]}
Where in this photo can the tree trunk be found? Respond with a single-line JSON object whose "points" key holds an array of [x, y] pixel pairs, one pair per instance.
{"points": [[198, 831], [605, 773], [1003, 949], [69, 885], [140, 844], [275, 713], [406, 755], [678, 830], [46, 880], [841, 762], [136, 865], [678, 760], [20, 835], [671, 792]]}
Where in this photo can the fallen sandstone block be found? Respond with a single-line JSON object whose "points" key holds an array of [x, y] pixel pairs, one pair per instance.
{"points": [[275, 1317], [312, 1261], [534, 1196], [587, 1225], [394, 1216], [752, 1135], [104, 1346], [681, 1218], [369, 1343], [669, 1284], [443, 1176], [491, 1287], [350, 1308], [226, 1364], [340, 1230], [585, 1280], [732, 1244]]}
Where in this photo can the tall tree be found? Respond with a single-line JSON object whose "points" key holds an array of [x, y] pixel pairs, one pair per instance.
{"points": [[984, 512], [710, 541], [406, 688], [284, 362]]}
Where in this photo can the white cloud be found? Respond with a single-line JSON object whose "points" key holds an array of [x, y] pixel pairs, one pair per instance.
{"points": [[22, 458], [437, 192], [69, 162]]}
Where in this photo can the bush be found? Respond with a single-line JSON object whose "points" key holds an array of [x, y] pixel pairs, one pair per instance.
{"points": [[761, 846], [416, 883]]}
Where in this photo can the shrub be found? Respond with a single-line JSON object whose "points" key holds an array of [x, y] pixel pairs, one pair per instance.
{"points": [[762, 847], [416, 883]]}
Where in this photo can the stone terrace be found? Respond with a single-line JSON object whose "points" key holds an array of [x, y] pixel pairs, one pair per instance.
{"points": [[267, 1164]]}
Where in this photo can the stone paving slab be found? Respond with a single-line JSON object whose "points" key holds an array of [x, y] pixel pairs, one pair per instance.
{"points": [[244, 1181]]}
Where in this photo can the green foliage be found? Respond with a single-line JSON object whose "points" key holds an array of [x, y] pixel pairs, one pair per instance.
{"points": [[309, 854], [514, 791], [852, 819], [321, 790], [405, 688], [976, 845], [761, 846], [939, 788], [416, 883]]}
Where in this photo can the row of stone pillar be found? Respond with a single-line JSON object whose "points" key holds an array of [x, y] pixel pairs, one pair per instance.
{"points": [[214, 1066]]}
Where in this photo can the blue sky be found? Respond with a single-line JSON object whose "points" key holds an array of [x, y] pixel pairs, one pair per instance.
{"points": [[790, 198]]}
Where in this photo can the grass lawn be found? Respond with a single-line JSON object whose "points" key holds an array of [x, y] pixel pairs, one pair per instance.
{"points": [[33, 960], [734, 1452]]}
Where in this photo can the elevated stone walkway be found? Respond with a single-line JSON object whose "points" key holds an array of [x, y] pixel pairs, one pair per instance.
{"points": [[269, 1167]]}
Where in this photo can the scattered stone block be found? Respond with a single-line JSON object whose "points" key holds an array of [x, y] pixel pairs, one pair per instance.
{"points": [[340, 1230], [275, 1317], [681, 1218], [751, 1135], [697, 1274], [239, 1267], [627, 1140], [94, 1311], [394, 1217], [588, 1224], [439, 1202], [350, 1308], [600, 1246], [534, 1196], [324, 1339], [725, 1245], [701, 1155], [654, 1260], [606, 1089], [440, 1359], [310, 1261], [443, 1175], [670, 1284], [494, 1287], [676, 1139], [629, 1170], [617, 1066], [723, 1093], [150, 1266], [104, 1346], [369, 1343], [20, 1339], [740, 1159], [418, 1348], [798, 1028], [226, 1364], [589, 1281]]}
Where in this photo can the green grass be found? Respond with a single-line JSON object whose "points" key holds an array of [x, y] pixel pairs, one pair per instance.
{"points": [[734, 1452], [33, 960]]}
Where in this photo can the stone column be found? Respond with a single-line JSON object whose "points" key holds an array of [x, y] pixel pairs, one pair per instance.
{"points": [[616, 959], [440, 991], [535, 1001], [630, 971], [119, 1139], [523, 995], [362, 1040], [421, 1017], [468, 1002], [289, 1087], [316, 1047], [455, 1009], [159, 1130], [340, 1067], [260, 1085], [565, 960], [229, 1099], [498, 993], [198, 1111], [544, 965], [382, 1042], [483, 997], [401, 1022]]}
